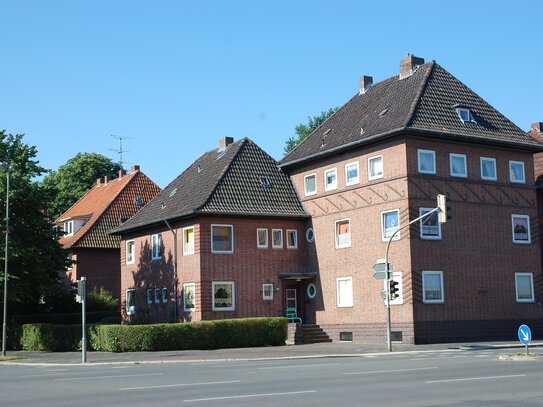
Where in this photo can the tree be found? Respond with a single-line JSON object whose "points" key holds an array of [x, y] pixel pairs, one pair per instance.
{"points": [[74, 179], [304, 130], [35, 257]]}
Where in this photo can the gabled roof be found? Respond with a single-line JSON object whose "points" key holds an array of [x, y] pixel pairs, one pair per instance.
{"points": [[104, 206], [225, 182], [424, 102]]}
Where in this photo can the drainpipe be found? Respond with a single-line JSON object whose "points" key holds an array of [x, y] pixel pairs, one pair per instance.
{"points": [[174, 269]]}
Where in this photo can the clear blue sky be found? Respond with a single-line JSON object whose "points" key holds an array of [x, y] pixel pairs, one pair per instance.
{"points": [[174, 76]]}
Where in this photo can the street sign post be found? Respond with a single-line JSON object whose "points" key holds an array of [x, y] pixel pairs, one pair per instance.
{"points": [[525, 336], [380, 271]]}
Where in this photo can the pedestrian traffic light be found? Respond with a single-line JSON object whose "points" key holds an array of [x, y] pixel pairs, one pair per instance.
{"points": [[394, 289], [444, 212]]}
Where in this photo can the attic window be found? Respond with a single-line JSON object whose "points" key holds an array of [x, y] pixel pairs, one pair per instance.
{"points": [[326, 132], [221, 154], [173, 192], [383, 112], [361, 130], [138, 201], [199, 169], [265, 182], [163, 205], [465, 115]]}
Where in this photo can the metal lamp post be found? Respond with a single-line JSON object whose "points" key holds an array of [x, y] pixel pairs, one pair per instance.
{"points": [[4, 325]]}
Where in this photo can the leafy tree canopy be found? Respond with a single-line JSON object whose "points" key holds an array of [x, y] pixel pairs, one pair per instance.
{"points": [[74, 179], [304, 130], [34, 254]]}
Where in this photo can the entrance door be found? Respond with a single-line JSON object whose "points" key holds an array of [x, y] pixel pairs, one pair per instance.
{"points": [[291, 301]]}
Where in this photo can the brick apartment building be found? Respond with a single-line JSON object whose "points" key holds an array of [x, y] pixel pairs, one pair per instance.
{"points": [[85, 224], [251, 242]]}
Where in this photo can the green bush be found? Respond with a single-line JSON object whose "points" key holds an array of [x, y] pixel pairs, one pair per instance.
{"points": [[61, 319], [101, 300], [49, 337]]}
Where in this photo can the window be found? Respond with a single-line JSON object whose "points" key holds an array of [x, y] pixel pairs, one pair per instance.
{"points": [[262, 238], [397, 276], [310, 235], [130, 252], [68, 228], [343, 233], [277, 238], [375, 167], [310, 184], [188, 240], [516, 172], [426, 161], [430, 228], [224, 296], [164, 295], [292, 239], [465, 115], [222, 237], [267, 292], [157, 295], [524, 287], [352, 173], [155, 247], [189, 295], [330, 179], [311, 291], [344, 292], [432, 287], [521, 229], [390, 222], [130, 301], [458, 165], [488, 169], [149, 296]]}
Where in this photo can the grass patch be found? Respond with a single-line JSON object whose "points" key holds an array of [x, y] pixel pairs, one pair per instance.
{"points": [[6, 358]]}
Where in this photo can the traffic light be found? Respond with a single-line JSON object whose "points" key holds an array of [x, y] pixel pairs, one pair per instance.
{"points": [[444, 212], [393, 289]]}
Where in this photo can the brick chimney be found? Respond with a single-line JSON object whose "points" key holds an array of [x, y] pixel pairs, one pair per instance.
{"points": [[122, 173], [365, 83], [409, 64], [225, 142], [537, 128], [135, 168], [98, 182], [106, 179]]}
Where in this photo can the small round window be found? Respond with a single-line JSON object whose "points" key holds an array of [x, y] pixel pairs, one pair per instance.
{"points": [[310, 235], [311, 291]]}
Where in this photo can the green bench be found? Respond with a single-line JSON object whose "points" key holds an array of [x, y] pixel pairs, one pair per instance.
{"points": [[292, 315]]}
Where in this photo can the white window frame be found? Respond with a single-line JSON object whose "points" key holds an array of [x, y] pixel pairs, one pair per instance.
{"points": [[156, 246], [186, 250], [384, 237], [267, 292], [164, 295], [355, 180], [149, 296], [130, 253], [277, 246], [333, 185], [306, 192], [157, 295], [397, 276], [185, 308], [231, 239], [517, 275], [433, 154], [68, 228], [431, 301], [492, 160], [465, 158], [460, 110], [527, 217], [521, 163], [340, 245], [295, 233], [130, 309], [266, 244], [371, 176], [421, 222], [233, 307], [349, 303]]}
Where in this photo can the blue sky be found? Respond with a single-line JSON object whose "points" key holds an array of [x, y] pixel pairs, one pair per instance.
{"points": [[175, 76]]}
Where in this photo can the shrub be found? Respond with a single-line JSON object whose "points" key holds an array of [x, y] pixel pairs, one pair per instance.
{"points": [[49, 337], [61, 319], [101, 300]]}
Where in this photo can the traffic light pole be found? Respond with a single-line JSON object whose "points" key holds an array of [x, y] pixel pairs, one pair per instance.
{"points": [[389, 274]]}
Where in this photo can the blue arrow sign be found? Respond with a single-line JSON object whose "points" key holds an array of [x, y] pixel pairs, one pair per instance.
{"points": [[524, 334]]}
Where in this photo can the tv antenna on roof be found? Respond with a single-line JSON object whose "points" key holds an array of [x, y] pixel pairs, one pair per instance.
{"points": [[120, 150]]}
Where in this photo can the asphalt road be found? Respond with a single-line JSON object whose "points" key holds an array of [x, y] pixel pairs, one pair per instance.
{"points": [[441, 378]]}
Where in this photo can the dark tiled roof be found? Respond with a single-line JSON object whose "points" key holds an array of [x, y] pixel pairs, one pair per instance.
{"points": [[223, 182], [424, 101]]}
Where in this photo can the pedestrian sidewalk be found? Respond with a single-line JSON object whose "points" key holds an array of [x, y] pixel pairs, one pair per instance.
{"points": [[319, 350]]}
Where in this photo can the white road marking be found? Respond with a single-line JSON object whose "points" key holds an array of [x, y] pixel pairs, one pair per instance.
{"points": [[62, 374], [392, 371], [443, 357], [245, 396], [121, 367], [108, 377], [178, 385], [475, 378], [56, 370], [297, 366]]}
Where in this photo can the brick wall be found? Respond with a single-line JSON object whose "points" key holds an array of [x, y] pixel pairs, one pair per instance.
{"points": [[99, 266]]}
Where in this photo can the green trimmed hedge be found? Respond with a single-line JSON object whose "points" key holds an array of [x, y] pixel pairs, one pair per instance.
{"points": [[227, 333], [62, 319]]}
